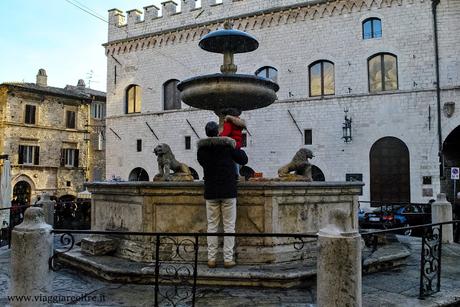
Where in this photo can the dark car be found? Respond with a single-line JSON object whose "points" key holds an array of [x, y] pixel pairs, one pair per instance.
{"points": [[387, 217]]}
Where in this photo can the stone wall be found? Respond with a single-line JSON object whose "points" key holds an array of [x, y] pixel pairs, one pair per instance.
{"points": [[150, 52]]}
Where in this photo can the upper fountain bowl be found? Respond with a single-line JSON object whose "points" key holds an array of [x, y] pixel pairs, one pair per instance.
{"points": [[228, 40]]}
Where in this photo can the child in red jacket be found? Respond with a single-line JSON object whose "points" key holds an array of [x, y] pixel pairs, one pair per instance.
{"points": [[233, 126]]}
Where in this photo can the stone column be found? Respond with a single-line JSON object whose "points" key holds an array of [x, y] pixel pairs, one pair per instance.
{"points": [[441, 211], [339, 265], [48, 207], [31, 248]]}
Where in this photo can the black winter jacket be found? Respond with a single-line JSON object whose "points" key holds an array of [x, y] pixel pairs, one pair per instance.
{"points": [[217, 156]]}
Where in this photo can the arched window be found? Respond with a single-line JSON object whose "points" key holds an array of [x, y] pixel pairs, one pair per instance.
{"points": [[268, 72], [383, 72], [372, 28], [138, 174], [171, 95], [322, 78], [133, 99]]}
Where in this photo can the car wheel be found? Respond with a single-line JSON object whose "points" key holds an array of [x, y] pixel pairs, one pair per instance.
{"points": [[407, 232], [388, 225]]}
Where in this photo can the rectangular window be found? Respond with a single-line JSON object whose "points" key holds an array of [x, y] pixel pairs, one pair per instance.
{"points": [[97, 110], [427, 180], [244, 141], [139, 145], [69, 157], [28, 155], [70, 120], [29, 116], [188, 142], [308, 136]]}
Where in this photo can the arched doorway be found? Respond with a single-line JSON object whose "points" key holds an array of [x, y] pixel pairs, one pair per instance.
{"points": [[138, 174], [22, 193], [390, 170], [194, 173], [317, 174], [451, 154]]}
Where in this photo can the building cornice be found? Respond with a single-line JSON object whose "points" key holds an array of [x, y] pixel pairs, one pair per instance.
{"points": [[35, 127], [250, 21]]}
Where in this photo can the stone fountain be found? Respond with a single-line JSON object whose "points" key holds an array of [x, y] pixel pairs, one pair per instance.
{"points": [[179, 207], [228, 89]]}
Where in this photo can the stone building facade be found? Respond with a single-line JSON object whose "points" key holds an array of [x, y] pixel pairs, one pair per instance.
{"points": [[51, 137], [376, 59]]}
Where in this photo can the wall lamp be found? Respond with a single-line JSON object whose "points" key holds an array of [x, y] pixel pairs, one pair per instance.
{"points": [[346, 128]]}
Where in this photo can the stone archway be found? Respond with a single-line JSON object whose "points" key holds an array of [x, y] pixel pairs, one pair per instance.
{"points": [[451, 155], [22, 193], [138, 174], [389, 170], [317, 174]]}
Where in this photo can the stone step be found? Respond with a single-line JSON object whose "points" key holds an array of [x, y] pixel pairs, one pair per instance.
{"points": [[287, 275]]}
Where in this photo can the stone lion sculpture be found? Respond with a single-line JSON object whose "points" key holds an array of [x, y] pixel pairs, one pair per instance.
{"points": [[167, 163], [299, 165]]}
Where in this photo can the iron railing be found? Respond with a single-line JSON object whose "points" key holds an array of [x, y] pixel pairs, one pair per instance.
{"points": [[67, 214], [430, 255], [176, 267]]}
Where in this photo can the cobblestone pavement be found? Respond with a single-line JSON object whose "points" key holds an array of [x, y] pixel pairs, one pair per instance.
{"points": [[397, 287]]}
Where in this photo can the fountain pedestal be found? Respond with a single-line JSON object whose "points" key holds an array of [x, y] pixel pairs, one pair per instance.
{"points": [[263, 207]]}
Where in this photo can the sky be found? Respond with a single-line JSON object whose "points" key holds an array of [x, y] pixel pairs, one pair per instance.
{"points": [[59, 37]]}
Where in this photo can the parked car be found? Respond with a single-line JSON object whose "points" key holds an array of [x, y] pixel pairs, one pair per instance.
{"points": [[387, 217]]}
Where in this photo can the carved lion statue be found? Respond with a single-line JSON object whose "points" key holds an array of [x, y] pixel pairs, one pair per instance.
{"points": [[299, 165], [167, 162]]}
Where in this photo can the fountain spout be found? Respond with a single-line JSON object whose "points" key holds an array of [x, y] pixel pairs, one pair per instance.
{"points": [[228, 67]]}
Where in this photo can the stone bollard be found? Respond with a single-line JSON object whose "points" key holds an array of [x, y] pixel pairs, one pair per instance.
{"points": [[339, 280], [441, 211], [31, 248], [48, 207]]}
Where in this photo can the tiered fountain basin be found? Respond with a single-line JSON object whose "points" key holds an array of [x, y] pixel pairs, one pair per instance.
{"points": [[221, 91], [263, 207]]}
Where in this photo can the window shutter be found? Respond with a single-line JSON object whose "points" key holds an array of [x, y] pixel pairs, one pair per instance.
{"points": [[76, 158], [27, 114], [36, 155], [74, 122], [21, 154], [62, 157], [32, 115]]}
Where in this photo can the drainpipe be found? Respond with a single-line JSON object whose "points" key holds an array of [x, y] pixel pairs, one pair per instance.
{"points": [[434, 7]]}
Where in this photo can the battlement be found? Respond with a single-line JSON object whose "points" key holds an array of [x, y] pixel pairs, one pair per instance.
{"points": [[137, 23]]}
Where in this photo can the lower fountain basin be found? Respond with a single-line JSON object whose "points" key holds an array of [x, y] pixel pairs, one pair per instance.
{"points": [[220, 91]]}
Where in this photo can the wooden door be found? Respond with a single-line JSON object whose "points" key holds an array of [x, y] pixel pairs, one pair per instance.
{"points": [[390, 171]]}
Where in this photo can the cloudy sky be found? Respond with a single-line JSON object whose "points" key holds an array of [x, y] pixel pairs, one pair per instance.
{"points": [[59, 37]]}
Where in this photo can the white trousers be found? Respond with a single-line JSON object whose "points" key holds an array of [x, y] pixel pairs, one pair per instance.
{"points": [[215, 209]]}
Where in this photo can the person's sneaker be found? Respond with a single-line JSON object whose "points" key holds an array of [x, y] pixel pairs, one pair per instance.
{"points": [[211, 264], [229, 264]]}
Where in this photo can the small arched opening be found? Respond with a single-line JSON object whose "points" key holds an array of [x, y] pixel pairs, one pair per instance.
{"points": [[138, 174]]}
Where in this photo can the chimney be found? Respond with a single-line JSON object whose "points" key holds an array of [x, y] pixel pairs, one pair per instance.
{"points": [[42, 78], [81, 83]]}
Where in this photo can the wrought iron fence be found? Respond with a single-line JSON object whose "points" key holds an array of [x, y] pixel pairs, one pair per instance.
{"points": [[176, 267], [67, 214], [430, 255]]}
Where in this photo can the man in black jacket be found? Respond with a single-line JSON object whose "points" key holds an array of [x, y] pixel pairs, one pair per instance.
{"points": [[217, 156]]}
